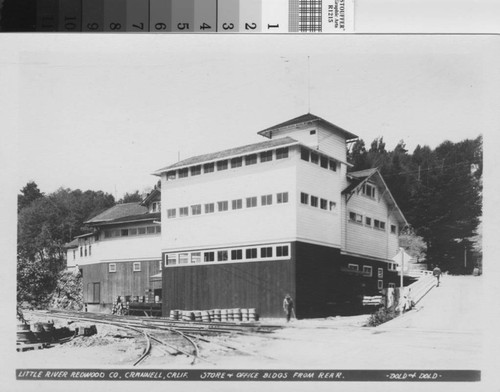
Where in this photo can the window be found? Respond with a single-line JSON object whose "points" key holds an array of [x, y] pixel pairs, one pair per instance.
{"points": [[323, 204], [251, 253], [112, 267], [171, 175], [368, 221], [236, 162], [196, 170], [74, 254], [124, 232], [393, 229], [282, 251], [155, 207], [236, 254], [314, 158], [353, 267], [324, 162], [392, 286], [304, 154], [333, 206], [107, 234], [183, 173], [183, 258], [266, 200], [378, 224], [208, 257], [380, 284], [367, 270], [312, 132], [251, 159], [222, 165], [158, 229], [237, 204], [304, 198], [369, 190], [251, 202], [266, 156], [196, 209], [208, 168], [266, 252], [85, 251], [151, 229], [222, 205], [141, 230], [171, 213], [282, 198], [314, 201], [353, 217], [209, 208], [136, 267], [94, 292], [380, 273], [222, 255], [90, 250], [171, 259], [133, 231], [332, 165], [282, 153], [196, 257], [81, 251], [183, 211]]}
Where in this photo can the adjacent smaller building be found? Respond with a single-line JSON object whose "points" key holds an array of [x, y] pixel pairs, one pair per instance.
{"points": [[120, 256]]}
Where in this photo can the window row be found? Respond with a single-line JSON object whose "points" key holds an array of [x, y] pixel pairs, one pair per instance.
{"points": [[225, 164], [367, 270], [144, 230], [136, 267], [315, 201], [221, 206], [375, 223], [318, 159], [236, 254], [84, 251]]}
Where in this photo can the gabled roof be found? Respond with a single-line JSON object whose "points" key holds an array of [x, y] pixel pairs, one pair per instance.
{"points": [[72, 244], [304, 119], [151, 196], [358, 178], [155, 216], [118, 211], [232, 152]]}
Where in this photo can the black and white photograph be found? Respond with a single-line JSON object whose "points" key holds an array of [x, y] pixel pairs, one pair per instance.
{"points": [[250, 208]]}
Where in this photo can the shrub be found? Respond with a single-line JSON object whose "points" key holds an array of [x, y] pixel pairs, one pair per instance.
{"points": [[381, 316]]}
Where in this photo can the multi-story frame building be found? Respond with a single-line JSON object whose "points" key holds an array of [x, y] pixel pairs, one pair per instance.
{"points": [[245, 226], [120, 256]]}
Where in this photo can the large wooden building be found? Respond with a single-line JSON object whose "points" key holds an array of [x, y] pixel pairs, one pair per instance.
{"points": [[121, 255], [245, 226]]}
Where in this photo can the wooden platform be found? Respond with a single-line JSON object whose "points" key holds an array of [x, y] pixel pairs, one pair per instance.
{"points": [[31, 346]]}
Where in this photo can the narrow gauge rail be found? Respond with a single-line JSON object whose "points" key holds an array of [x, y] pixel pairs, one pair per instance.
{"points": [[190, 331]]}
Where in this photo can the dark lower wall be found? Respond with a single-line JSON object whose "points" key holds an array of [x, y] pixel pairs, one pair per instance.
{"points": [[261, 285], [120, 283]]}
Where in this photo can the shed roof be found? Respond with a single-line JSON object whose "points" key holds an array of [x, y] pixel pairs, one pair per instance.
{"points": [[72, 244], [118, 211], [232, 152], [304, 119], [155, 216]]}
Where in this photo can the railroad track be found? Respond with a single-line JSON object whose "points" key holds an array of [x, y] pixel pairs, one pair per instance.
{"points": [[191, 333]]}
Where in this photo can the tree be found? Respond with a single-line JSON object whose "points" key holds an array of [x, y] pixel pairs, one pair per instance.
{"points": [[413, 244], [131, 198], [29, 193], [44, 226], [357, 156]]}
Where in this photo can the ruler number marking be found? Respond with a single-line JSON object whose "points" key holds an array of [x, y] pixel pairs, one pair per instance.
{"points": [[183, 26], [92, 26], [115, 26], [141, 27], [250, 26], [205, 26], [228, 26], [160, 26]]}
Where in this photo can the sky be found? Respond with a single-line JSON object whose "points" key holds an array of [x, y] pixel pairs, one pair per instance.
{"points": [[103, 113]]}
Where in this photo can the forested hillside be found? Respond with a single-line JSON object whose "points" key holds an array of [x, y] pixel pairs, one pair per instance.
{"points": [[439, 191]]}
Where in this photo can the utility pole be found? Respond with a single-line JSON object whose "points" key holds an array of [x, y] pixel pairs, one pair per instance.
{"points": [[402, 268]]}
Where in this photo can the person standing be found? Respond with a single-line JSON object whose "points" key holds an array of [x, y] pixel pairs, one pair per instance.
{"points": [[437, 273], [288, 307]]}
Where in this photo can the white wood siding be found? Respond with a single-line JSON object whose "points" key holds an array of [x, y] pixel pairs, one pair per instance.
{"points": [[119, 249], [365, 240], [301, 133], [259, 224], [332, 143], [313, 223]]}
